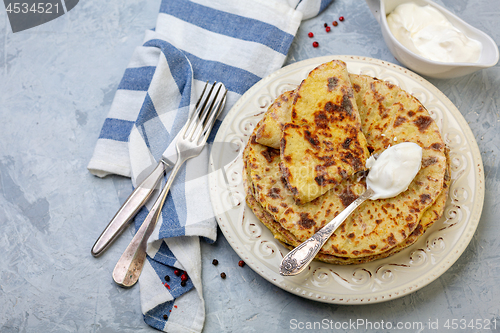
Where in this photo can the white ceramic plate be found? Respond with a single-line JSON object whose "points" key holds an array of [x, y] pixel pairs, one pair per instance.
{"points": [[377, 281]]}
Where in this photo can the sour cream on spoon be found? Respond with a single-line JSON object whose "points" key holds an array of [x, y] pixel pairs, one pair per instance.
{"points": [[390, 174]]}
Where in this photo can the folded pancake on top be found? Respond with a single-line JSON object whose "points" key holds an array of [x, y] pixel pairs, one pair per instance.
{"points": [[388, 115], [323, 143]]}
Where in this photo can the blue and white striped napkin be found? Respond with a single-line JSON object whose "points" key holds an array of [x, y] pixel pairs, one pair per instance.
{"points": [[234, 42]]}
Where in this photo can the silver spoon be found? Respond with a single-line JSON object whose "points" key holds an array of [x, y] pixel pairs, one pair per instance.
{"points": [[298, 259], [403, 159]]}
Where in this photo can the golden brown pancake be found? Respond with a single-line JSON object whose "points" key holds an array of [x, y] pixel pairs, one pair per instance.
{"points": [[431, 215], [322, 144], [386, 113], [271, 128]]}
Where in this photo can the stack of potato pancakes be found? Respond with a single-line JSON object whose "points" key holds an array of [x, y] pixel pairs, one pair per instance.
{"points": [[304, 160]]}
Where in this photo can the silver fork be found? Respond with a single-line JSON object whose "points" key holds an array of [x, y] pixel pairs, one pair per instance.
{"points": [[189, 144], [140, 194]]}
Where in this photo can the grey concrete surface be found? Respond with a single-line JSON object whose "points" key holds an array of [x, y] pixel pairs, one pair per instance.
{"points": [[57, 82]]}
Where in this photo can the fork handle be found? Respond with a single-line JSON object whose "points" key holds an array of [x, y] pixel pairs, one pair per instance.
{"points": [[129, 209], [129, 266]]}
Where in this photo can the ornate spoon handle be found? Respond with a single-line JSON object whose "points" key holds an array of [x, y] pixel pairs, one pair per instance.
{"points": [[298, 259]]}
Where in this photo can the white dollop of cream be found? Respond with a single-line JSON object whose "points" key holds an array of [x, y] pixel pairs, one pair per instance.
{"points": [[427, 32], [393, 171]]}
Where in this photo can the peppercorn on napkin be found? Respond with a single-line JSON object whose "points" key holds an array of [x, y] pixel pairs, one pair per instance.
{"points": [[233, 42]]}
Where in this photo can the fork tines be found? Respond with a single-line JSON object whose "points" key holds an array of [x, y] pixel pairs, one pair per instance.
{"points": [[207, 110]]}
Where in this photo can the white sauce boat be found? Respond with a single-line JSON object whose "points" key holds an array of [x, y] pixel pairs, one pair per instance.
{"points": [[443, 70]]}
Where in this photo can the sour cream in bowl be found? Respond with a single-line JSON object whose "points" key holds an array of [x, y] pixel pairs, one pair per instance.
{"points": [[432, 41]]}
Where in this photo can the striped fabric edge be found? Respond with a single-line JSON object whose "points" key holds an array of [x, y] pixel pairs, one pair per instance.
{"points": [[100, 164], [203, 16]]}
